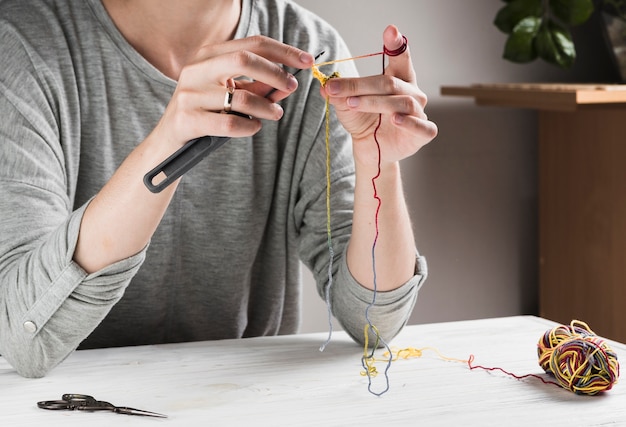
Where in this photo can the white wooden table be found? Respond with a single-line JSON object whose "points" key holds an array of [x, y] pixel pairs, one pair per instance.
{"points": [[279, 381]]}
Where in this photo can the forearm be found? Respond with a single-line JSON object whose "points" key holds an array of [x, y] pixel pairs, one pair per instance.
{"points": [[124, 215], [395, 244]]}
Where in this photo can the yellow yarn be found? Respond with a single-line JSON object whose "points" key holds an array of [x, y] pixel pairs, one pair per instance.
{"points": [[368, 357], [402, 353], [323, 78]]}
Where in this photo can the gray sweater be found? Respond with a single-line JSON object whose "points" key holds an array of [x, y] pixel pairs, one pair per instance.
{"points": [[75, 99]]}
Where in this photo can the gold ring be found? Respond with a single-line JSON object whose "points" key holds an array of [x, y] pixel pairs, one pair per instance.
{"points": [[228, 99]]}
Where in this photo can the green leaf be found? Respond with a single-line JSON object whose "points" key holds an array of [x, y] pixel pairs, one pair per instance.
{"points": [[510, 15], [520, 46], [572, 12], [554, 45]]}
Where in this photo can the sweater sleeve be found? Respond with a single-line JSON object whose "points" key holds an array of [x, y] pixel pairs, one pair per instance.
{"points": [[48, 304], [389, 311]]}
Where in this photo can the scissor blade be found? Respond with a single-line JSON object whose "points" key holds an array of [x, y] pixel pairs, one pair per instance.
{"points": [[132, 411]]}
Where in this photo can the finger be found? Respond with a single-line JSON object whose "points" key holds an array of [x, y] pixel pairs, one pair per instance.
{"points": [[221, 100], [401, 104], [423, 128], [224, 68], [231, 125], [264, 90], [400, 65], [196, 123], [239, 61], [246, 102], [266, 47], [193, 113], [372, 85]]}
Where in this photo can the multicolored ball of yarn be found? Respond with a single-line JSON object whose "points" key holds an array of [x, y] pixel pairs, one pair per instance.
{"points": [[579, 360]]}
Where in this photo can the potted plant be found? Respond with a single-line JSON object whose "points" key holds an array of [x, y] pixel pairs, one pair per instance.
{"points": [[541, 29]]}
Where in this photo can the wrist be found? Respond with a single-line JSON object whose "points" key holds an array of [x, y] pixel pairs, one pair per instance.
{"points": [[382, 170]]}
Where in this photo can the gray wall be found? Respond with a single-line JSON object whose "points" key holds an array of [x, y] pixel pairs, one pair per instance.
{"points": [[473, 191]]}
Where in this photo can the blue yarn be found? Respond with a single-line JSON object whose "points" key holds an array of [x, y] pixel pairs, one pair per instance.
{"points": [[373, 328]]}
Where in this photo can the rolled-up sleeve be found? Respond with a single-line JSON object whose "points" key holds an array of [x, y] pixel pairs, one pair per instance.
{"points": [[48, 303], [388, 311]]}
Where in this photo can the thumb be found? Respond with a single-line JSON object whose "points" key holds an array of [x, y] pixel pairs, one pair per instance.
{"points": [[400, 64]]}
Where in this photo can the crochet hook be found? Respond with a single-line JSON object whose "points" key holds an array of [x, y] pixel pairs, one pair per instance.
{"points": [[189, 155]]}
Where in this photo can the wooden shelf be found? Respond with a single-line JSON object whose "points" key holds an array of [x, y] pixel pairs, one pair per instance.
{"points": [[541, 96], [582, 197]]}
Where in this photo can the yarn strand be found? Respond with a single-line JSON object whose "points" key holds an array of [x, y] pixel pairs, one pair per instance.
{"points": [[368, 359], [334, 61], [573, 356], [331, 252]]}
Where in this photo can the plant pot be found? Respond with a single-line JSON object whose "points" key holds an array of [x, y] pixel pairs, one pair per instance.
{"points": [[615, 35]]}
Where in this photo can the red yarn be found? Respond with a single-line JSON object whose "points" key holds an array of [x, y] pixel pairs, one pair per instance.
{"points": [[399, 50]]}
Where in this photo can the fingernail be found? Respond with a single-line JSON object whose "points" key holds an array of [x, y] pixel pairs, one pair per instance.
{"points": [[399, 118], [332, 87], [279, 111], [399, 41], [306, 58], [354, 101], [292, 83]]}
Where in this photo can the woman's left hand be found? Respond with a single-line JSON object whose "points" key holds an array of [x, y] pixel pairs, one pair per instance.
{"points": [[359, 102]]}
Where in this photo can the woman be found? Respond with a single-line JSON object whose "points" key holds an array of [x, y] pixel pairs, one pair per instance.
{"points": [[95, 94]]}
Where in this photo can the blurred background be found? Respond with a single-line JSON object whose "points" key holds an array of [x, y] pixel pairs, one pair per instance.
{"points": [[472, 192]]}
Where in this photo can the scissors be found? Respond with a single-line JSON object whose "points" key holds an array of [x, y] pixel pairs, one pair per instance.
{"points": [[189, 155], [84, 402]]}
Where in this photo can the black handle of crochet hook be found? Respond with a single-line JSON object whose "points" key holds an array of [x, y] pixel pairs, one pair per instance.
{"points": [[181, 161], [184, 159]]}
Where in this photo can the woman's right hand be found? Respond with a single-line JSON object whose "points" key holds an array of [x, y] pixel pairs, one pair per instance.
{"points": [[198, 102]]}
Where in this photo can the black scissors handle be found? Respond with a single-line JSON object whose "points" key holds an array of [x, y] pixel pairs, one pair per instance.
{"points": [[188, 156], [68, 402], [54, 405]]}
